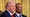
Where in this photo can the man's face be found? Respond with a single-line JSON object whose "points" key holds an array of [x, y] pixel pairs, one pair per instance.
{"points": [[11, 7], [19, 8]]}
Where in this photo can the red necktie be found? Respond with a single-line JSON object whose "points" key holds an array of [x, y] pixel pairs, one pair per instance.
{"points": [[12, 15]]}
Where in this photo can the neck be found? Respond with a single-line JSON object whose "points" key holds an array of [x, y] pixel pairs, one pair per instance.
{"points": [[18, 12]]}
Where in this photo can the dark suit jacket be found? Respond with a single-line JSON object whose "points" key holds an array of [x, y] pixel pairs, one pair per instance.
{"points": [[22, 15], [5, 14]]}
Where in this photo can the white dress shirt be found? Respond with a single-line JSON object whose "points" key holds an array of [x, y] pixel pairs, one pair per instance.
{"points": [[10, 12], [18, 14]]}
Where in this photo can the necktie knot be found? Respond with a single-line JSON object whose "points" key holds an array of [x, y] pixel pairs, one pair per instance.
{"points": [[12, 15]]}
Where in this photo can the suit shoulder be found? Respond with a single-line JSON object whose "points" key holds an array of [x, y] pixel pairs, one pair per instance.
{"points": [[24, 15], [3, 13]]}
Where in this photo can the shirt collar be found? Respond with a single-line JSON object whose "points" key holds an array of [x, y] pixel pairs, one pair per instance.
{"points": [[18, 14], [9, 12]]}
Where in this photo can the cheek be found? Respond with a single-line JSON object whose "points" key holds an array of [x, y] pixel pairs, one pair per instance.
{"points": [[12, 8], [20, 8]]}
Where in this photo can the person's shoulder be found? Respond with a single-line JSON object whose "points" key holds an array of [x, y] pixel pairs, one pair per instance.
{"points": [[4, 12], [24, 15]]}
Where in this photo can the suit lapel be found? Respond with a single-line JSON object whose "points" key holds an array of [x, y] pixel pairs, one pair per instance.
{"points": [[7, 13], [22, 15], [15, 15]]}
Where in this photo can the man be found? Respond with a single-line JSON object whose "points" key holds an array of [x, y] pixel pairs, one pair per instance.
{"points": [[19, 10], [10, 10]]}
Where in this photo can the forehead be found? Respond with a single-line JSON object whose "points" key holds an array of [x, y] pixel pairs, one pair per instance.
{"points": [[19, 5]]}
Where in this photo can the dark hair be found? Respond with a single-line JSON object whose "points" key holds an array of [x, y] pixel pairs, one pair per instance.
{"points": [[18, 4]]}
